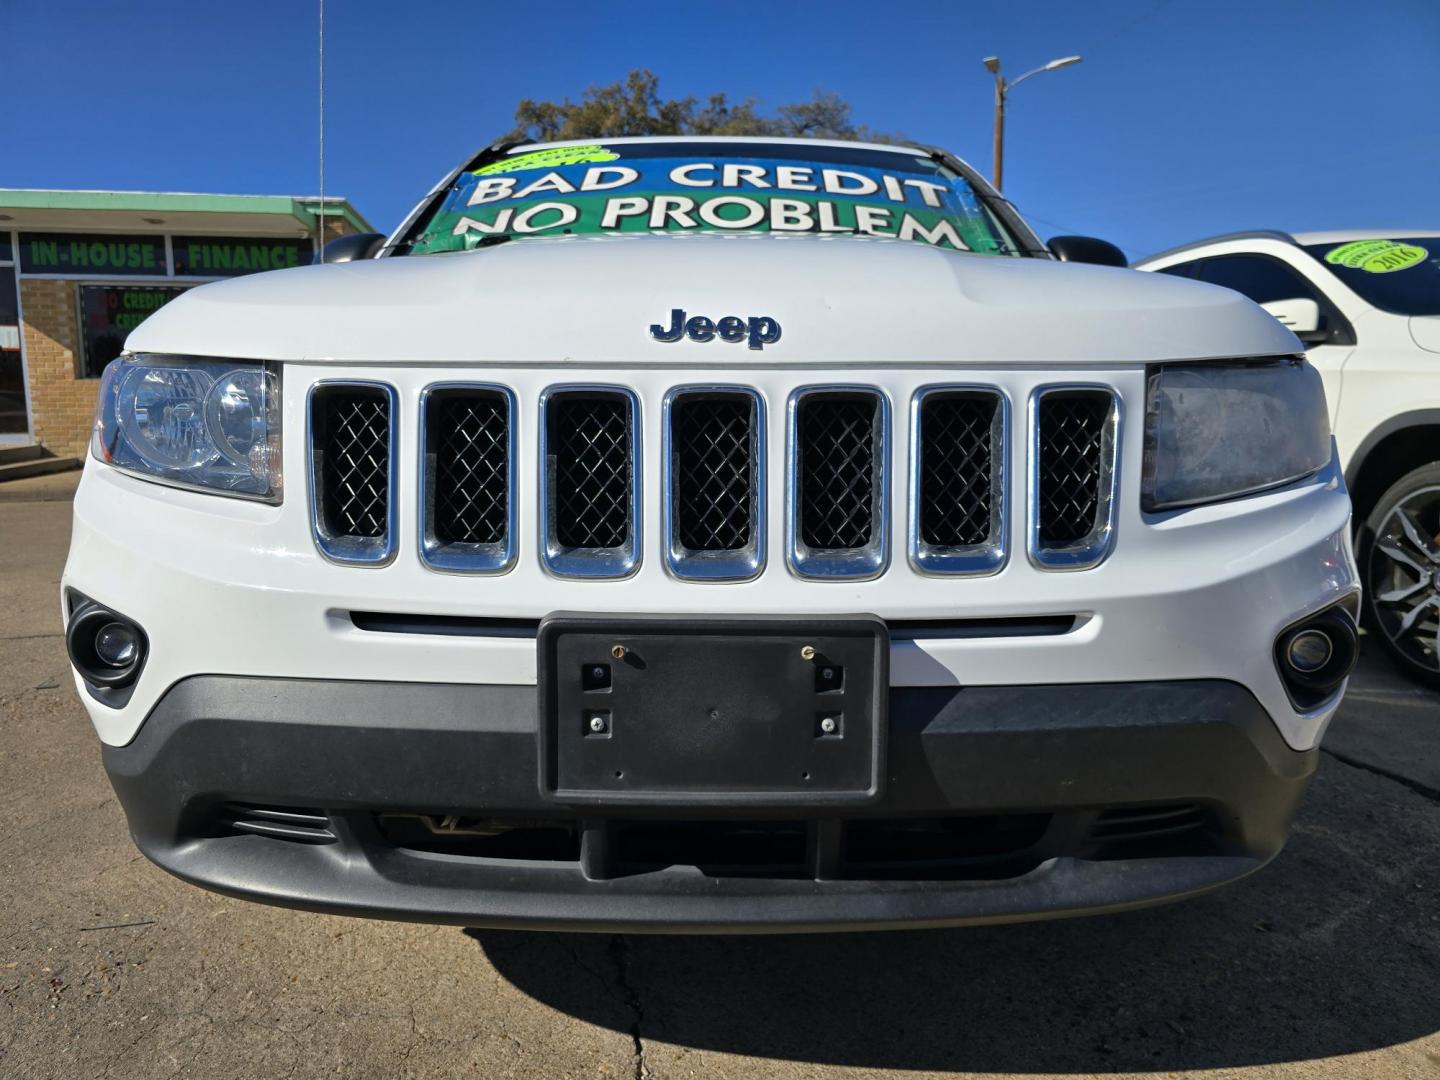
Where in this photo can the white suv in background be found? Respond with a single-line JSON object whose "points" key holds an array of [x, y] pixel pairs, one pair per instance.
{"points": [[1367, 305]]}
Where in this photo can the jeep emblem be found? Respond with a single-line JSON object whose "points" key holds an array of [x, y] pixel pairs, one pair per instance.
{"points": [[758, 330]]}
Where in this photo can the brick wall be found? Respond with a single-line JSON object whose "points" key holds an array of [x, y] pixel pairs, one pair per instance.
{"points": [[62, 406]]}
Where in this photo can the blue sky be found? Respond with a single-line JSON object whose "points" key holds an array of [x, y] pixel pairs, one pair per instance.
{"points": [[1187, 117]]}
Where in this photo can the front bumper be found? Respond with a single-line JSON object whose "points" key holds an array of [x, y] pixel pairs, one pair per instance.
{"points": [[224, 586], [1001, 803]]}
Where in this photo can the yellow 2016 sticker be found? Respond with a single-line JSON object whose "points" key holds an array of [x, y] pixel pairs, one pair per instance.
{"points": [[1376, 256], [549, 159]]}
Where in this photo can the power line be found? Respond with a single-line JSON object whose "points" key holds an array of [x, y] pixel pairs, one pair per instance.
{"points": [[1125, 28]]}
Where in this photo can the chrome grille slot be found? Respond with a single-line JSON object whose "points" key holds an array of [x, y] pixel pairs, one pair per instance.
{"points": [[1072, 485], [714, 488], [958, 473], [838, 502], [590, 461], [467, 461], [352, 470]]}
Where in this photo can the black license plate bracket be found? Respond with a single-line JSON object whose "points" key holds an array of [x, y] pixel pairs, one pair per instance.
{"points": [[667, 710]]}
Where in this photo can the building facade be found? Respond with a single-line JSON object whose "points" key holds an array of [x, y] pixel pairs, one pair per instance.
{"points": [[80, 269]]}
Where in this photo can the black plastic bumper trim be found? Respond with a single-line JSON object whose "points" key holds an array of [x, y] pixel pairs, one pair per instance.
{"points": [[357, 749]]}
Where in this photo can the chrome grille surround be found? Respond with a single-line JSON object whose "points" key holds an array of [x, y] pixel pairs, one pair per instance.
{"points": [[728, 564], [617, 561], [1052, 543], [460, 556], [1094, 547], [990, 555], [351, 549], [856, 563]]}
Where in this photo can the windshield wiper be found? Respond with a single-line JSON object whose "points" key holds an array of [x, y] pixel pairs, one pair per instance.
{"points": [[488, 240]]}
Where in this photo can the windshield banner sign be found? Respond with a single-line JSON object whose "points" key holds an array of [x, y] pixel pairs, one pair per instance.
{"points": [[589, 189]]}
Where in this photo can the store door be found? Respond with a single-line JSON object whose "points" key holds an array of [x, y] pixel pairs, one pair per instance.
{"points": [[14, 422]]}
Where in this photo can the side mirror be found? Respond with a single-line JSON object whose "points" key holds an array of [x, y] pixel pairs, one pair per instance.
{"points": [[349, 248], [1301, 317], [1087, 249]]}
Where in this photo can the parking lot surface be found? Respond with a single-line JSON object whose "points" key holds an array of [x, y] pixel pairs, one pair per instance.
{"points": [[1325, 964]]}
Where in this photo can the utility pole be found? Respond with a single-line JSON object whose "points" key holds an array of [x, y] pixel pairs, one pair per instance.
{"points": [[1002, 90]]}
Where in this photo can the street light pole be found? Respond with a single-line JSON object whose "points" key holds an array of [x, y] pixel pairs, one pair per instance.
{"points": [[999, 172], [1002, 89]]}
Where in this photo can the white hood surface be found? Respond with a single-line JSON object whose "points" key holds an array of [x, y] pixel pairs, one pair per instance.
{"points": [[840, 300]]}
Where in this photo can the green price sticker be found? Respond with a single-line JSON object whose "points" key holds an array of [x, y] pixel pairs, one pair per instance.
{"points": [[549, 159], [1376, 256]]}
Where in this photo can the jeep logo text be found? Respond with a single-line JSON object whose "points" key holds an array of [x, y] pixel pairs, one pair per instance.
{"points": [[758, 330]]}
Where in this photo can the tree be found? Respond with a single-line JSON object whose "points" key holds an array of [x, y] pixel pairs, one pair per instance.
{"points": [[635, 107]]}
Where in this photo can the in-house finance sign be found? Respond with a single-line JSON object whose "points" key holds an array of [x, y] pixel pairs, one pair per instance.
{"points": [[82, 255], [87, 256], [229, 256]]}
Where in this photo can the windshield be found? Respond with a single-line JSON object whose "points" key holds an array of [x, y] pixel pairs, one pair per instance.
{"points": [[710, 187], [1398, 276]]}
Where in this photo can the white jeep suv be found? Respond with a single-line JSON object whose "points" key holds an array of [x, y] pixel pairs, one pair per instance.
{"points": [[1367, 305], [711, 534]]}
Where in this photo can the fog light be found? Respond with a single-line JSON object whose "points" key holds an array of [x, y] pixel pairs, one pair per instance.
{"points": [[1310, 650], [116, 645], [1316, 655], [107, 649]]}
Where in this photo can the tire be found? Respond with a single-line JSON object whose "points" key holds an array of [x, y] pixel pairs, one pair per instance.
{"points": [[1400, 566]]}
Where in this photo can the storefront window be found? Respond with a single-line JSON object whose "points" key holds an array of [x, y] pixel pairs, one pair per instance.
{"points": [[107, 315], [12, 372]]}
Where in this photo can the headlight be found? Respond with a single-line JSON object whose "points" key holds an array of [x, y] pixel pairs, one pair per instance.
{"points": [[1220, 430], [212, 424]]}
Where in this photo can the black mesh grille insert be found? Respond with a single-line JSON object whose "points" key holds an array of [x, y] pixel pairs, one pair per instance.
{"points": [[470, 433], [712, 449], [958, 468], [1071, 464], [837, 441], [588, 441], [351, 429]]}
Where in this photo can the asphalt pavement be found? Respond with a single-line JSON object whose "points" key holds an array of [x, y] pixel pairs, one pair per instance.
{"points": [[1324, 964]]}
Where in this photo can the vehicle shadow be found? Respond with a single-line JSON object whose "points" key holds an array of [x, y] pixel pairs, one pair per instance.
{"points": [[1333, 949]]}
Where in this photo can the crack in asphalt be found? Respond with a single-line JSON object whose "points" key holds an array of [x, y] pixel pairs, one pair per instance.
{"points": [[619, 952], [1425, 791], [623, 991]]}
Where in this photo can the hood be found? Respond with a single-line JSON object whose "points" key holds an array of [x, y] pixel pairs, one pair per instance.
{"points": [[592, 300]]}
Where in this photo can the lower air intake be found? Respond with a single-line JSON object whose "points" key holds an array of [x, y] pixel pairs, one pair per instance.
{"points": [[303, 825]]}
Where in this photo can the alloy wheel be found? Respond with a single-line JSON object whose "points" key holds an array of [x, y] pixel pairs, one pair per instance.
{"points": [[1404, 577]]}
